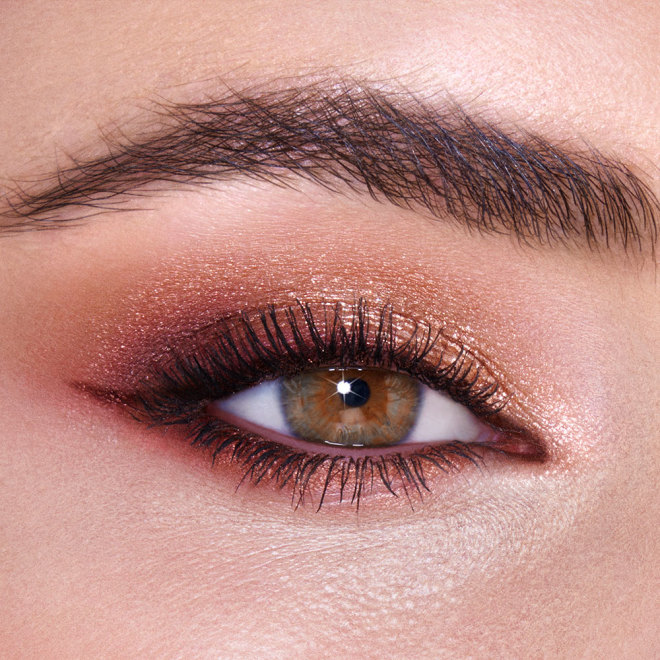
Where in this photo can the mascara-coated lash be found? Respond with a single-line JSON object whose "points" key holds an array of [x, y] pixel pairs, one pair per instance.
{"points": [[242, 351]]}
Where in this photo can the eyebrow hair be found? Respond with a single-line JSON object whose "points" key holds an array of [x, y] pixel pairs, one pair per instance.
{"points": [[348, 136]]}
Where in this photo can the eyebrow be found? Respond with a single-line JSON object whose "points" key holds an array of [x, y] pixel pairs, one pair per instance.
{"points": [[390, 145]]}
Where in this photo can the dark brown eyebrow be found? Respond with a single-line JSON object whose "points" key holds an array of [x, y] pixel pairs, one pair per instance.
{"points": [[391, 145]]}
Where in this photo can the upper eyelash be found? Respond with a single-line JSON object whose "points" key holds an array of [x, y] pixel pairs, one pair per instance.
{"points": [[250, 349]]}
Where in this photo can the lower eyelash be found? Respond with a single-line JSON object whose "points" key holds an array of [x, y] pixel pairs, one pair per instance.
{"points": [[349, 477]]}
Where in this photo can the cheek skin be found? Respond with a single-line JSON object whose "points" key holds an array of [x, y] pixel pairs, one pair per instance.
{"points": [[175, 530], [485, 541], [152, 533]]}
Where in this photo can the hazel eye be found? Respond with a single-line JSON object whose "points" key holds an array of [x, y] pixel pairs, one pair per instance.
{"points": [[352, 408]]}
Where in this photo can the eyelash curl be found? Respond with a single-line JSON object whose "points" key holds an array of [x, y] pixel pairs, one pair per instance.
{"points": [[244, 351]]}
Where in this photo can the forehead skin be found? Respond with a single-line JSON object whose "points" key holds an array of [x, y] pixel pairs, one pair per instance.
{"points": [[576, 70], [571, 71]]}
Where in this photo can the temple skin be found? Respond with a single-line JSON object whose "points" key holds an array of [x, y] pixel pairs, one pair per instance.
{"points": [[120, 540]]}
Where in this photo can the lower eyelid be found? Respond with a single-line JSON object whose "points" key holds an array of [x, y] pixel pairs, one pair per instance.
{"points": [[237, 453], [342, 476]]}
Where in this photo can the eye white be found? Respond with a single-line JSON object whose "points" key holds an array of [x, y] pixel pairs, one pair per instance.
{"points": [[259, 405], [438, 417]]}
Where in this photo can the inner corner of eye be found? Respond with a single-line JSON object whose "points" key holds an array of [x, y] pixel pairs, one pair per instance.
{"points": [[351, 408]]}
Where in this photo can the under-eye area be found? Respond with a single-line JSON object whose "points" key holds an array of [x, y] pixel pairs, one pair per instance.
{"points": [[331, 403]]}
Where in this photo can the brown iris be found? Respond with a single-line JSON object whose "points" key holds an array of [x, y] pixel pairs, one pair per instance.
{"points": [[351, 407]]}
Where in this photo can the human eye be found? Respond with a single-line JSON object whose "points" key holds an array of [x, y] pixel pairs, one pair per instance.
{"points": [[332, 403], [347, 408]]}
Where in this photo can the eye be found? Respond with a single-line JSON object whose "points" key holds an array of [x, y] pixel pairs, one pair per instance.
{"points": [[330, 402], [351, 408]]}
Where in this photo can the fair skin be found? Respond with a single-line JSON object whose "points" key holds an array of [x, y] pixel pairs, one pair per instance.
{"points": [[120, 540]]}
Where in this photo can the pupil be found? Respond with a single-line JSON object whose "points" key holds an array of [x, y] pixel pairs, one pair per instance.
{"points": [[355, 393]]}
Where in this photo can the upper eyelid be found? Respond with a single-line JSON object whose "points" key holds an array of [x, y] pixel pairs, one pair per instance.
{"points": [[212, 345], [451, 343], [392, 145]]}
